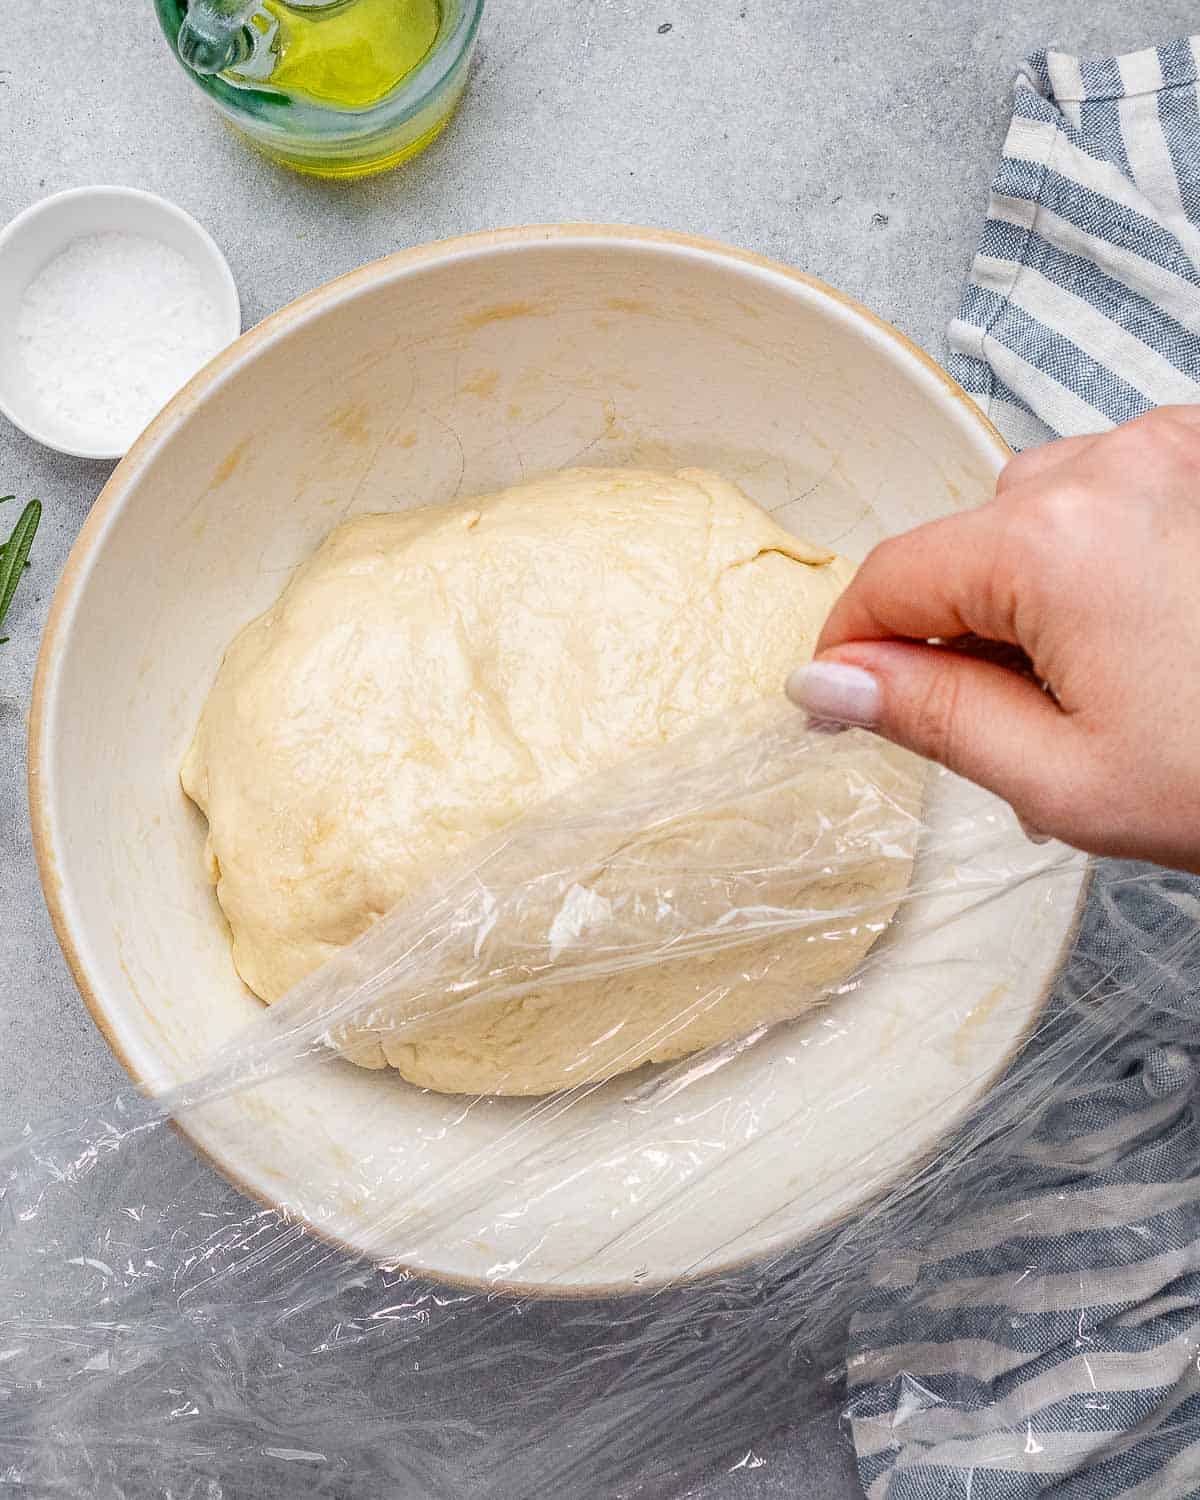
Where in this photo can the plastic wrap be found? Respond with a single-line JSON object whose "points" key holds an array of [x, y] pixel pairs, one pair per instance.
{"points": [[646, 1280]]}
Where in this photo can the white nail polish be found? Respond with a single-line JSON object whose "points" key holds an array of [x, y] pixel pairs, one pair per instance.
{"points": [[832, 691]]}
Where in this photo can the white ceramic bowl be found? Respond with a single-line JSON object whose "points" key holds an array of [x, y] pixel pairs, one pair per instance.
{"points": [[455, 368], [46, 228]]}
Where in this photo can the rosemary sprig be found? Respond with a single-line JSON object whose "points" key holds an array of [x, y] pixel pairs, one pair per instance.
{"points": [[14, 555]]}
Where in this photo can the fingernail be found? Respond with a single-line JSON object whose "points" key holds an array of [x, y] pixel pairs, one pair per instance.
{"points": [[834, 692]]}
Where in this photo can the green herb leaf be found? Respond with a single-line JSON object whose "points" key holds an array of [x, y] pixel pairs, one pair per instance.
{"points": [[16, 554]]}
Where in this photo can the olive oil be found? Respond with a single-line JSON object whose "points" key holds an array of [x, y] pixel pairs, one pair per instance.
{"points": [[346, 55], [336, 88]]}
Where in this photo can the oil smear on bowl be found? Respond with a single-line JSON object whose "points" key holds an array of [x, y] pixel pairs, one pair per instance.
{"points": [[106, 333]]}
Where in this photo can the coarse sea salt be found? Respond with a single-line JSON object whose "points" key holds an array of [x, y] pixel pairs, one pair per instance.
{"points": [[110, 329]]}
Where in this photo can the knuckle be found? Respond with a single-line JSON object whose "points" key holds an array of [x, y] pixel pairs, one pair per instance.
{"points": [[1138, 427], [1185, 418], [935, 716], [1064, 804], [1055, 515], [1007, 570], [881, 556], [1172, 430], [1154, 447], [1041, 806], [1016, 470], [880, 565]]}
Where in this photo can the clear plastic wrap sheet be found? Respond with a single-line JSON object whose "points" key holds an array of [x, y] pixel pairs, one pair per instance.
{"points": [[630, 1285]]}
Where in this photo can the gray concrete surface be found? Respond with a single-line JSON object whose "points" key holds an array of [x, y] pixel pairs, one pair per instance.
{"points": [[853, 139]]}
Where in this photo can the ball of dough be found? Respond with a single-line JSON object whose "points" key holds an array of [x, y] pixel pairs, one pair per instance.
{"points": [[431, 674]]}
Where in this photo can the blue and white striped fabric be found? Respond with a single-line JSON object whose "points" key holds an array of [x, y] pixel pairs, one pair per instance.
{"points": [[1047, 1343], [1083, 306]]}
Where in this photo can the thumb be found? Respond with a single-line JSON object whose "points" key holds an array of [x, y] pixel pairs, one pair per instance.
{"points": [[981, 720]]}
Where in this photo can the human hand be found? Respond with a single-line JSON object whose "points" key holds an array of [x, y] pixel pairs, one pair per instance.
{"points": [[1088, 562]]}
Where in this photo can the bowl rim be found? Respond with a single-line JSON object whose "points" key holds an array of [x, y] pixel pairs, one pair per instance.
{"points": [[109, 503], [229, 312]]}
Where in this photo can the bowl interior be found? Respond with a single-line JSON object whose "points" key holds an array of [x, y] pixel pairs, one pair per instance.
{"points": [[43, 231], [457, 370]]}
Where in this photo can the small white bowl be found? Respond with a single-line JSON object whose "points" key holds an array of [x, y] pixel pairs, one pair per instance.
{"points": [[45, 229]]}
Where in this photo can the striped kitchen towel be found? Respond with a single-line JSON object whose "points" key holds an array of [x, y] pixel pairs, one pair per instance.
{"points": [[1083, 305], [1039, 1336], [1046, 1341]]}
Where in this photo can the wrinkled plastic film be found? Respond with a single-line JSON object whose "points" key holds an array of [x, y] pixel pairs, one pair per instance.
{"points": [[676, 854], [624, 1285]]}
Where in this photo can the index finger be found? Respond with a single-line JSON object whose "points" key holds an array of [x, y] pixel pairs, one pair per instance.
{"points": [[944, 579]]}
